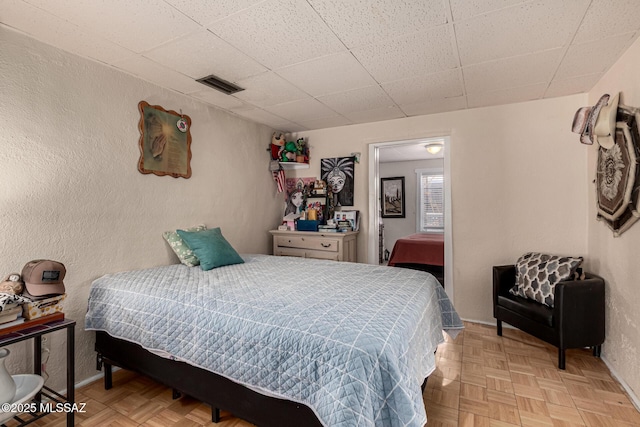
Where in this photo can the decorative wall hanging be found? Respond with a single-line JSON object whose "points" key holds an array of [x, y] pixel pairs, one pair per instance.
{"points": [[298, 189], [615, 128], [585, 119], [165, 141], [618, 172], [392, 195], [338, 173]]}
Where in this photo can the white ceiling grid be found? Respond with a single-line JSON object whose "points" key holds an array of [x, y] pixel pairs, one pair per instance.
{"points": [[310, 64]]}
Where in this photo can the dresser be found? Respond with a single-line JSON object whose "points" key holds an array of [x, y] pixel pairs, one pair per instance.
{"points": [[312, 244]]}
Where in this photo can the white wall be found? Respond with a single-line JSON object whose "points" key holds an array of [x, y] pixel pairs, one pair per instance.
{"points": [[70, 189], [616, 258], [395, 228], [517, 179]]}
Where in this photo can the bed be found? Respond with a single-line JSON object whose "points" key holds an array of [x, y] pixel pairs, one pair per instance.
{"points": [[426, 249], [279, 340]]}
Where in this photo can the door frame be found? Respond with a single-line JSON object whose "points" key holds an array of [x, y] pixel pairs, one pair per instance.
{"points": [[374, 204]]}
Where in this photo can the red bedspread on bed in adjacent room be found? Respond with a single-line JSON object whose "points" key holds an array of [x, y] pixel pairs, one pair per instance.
{"points": [[419, 249]]}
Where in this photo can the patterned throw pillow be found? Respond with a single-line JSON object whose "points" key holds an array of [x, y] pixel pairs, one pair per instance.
{"points": [[537, 275], [186, 255]]}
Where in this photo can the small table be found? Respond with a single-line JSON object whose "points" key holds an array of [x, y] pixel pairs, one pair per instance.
{"points": [[36, 332]]}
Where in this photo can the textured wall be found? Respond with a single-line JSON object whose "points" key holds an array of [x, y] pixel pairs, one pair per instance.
{"points": [[518, 183], [70, 189], [616, 258]]}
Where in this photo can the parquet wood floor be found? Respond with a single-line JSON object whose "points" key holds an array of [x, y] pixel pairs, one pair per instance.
{"points": [[481, 380]]}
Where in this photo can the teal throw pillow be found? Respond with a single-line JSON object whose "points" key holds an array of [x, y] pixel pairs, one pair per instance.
{"points": [[211, 248]]}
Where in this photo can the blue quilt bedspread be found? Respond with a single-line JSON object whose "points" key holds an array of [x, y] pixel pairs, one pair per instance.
{"points": [[353, 342]]}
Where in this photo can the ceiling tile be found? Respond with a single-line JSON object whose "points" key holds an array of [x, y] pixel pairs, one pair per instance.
{"points": [[217, 98], [136, 25], [572, 86], [326, 122], [435, 106], [261, 116], [328, 74], [511, 72], [580, 60], [198, 55], [156, 73], [463, 9], [206, 12], [606, 18], [278, 33], [446, 84], [506, 96], [268, 89], [48, 28], [366, 98], [517, 30], [359, 22], [293, 58], [376, 115], [411, 55], [302, 110]]}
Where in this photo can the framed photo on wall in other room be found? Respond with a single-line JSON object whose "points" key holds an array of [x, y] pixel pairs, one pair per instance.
{"points": [[392, 197]]}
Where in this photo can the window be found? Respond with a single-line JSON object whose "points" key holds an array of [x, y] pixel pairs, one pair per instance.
{"points": [[430, 200]]}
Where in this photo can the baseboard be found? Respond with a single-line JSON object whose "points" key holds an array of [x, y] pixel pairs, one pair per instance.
{"points": [[88, 380], [484, 322], [632, 396]]}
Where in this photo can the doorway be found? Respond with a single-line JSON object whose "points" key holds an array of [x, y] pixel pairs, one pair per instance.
{"points": [[376, 150]]}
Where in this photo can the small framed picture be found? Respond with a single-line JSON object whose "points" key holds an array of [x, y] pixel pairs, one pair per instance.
{"points": [[392, 197]]}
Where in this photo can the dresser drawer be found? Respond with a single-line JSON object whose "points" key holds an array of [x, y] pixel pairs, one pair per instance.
{"points": [[333, 256], [304, 242], [311, 244], [280, 251]]}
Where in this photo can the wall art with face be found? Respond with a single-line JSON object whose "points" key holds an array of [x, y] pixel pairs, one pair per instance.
{"points": [[338, 173], [297, 190]]}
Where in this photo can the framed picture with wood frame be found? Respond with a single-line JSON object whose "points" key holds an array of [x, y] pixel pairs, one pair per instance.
{"points": [[165, 141], [392, 197]]}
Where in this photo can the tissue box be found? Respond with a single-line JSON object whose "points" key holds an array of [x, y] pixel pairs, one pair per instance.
{"points": [[308, 225], [43, 307]]}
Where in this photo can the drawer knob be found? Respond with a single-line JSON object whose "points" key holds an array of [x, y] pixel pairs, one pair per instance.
{"points": [[325, 245]]}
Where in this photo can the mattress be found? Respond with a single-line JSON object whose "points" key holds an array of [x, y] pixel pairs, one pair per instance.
{"points": [[353, 342]]}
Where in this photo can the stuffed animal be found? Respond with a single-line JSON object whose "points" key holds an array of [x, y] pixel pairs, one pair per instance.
{"points": [[289, 152], [12, 284], [277, 146]]}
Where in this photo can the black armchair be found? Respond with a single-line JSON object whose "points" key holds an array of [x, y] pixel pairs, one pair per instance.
{"points": [[575, 321]]}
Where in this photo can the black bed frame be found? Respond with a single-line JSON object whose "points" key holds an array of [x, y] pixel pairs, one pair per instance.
{"points": [[205, 386], [212, 389]]}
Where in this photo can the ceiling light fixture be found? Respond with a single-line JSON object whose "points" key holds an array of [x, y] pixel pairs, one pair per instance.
{"points": [[219, 84], [433, 147]]}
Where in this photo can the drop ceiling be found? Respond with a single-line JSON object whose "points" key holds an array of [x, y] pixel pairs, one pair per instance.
{"points": [[311, 64]]}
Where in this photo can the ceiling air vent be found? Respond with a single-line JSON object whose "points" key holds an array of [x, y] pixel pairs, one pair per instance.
{"points": [[219, 84]]}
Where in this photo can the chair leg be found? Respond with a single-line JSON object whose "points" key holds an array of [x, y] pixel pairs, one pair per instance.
{"points": [[561, 358], [499, 326], [596, 350]]}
